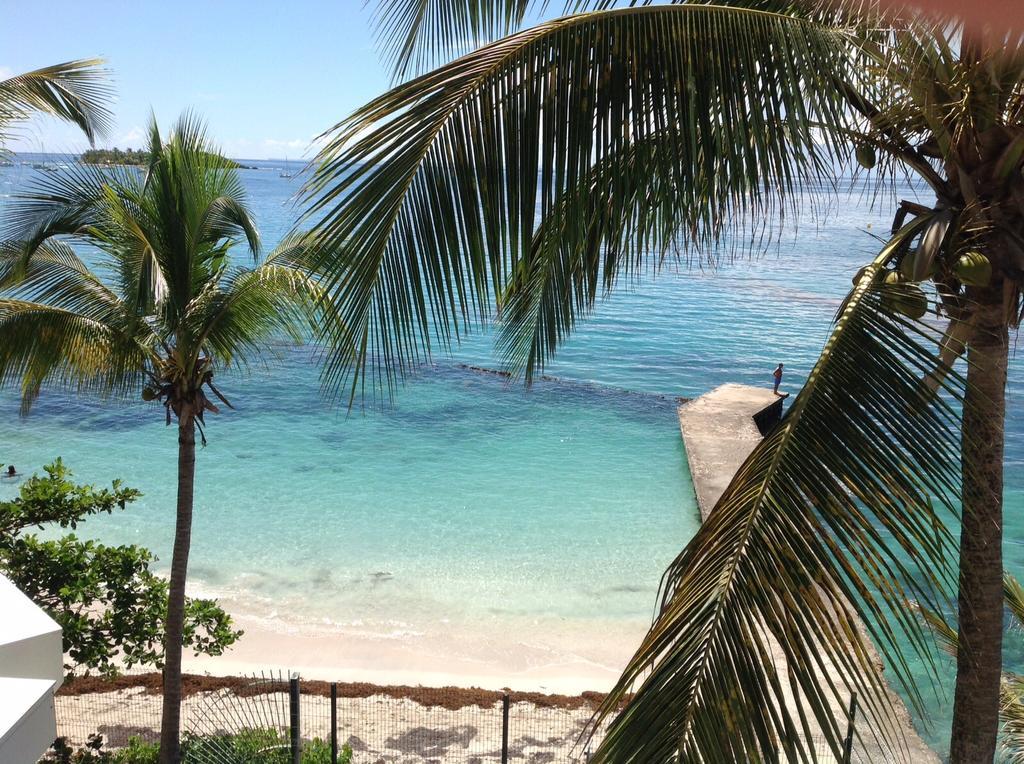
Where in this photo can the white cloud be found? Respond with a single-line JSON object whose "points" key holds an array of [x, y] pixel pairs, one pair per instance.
{"points": [[133, 139], [292, 145], [270, 148]]}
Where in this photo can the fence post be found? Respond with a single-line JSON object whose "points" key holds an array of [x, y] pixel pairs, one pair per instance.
{"points": [[848, 748], [293, 727], [334, 723], [504, 728]]}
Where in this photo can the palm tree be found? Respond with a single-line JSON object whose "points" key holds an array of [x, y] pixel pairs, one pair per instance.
{"points": [[75, 91], [534, 173], [162, 308]]}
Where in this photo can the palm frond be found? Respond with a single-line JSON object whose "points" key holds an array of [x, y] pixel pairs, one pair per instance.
{"points": [[836, 518], [622, 221], [1011, 712], [164, 303], [415, 34], [428, 197], [1013, 595], [946, 633], [76, 91], [248, 307], [44, 344], [190, 177], [61, 203], [54, 276]]}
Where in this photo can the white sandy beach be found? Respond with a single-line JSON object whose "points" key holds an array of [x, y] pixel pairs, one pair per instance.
{"points": [[548, 655]]}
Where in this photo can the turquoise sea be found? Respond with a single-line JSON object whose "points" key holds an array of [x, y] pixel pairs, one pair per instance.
{"points": [[470, 500]]}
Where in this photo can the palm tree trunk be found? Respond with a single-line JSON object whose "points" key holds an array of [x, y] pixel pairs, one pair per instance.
{"points": [[170, 725], [979, 660]]}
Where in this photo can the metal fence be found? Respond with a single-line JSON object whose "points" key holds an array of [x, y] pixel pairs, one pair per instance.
{"points": [[395, 724], [331, 722]]}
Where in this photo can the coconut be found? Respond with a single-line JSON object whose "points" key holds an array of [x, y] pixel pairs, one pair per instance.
{"points": [[973, 269], [866, 156], [908, 299], [148, 394]]}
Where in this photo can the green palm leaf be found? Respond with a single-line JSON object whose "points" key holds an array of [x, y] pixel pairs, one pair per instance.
{"points": [[280, 297], [595, 235], [427, 199], [76, 91], [44, 344], [1011, 711], [839, 513], [417, 33], [163, 292]]}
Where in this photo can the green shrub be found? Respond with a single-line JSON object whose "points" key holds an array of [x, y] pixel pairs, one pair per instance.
{"points": [[137, 752], [256, 746]]}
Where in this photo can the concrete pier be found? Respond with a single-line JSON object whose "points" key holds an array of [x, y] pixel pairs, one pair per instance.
{"points": [[720, 429], [719, 432]]}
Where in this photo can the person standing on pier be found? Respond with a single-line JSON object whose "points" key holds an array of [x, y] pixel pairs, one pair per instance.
{"points": [[778, 378]]}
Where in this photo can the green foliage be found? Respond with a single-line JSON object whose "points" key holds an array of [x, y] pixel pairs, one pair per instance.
{"points": [[138, 158], [170, 303], [561, 159], [62, 753], [540, 171], [109, 605], [135, 157], [75, 91], [258, 746], [138, 752]]}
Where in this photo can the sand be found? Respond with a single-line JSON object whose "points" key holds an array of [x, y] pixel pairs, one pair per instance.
{"points": [[555, 656]]}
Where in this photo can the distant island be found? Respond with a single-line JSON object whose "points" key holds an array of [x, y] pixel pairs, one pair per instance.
{"points": [[137, 158]]}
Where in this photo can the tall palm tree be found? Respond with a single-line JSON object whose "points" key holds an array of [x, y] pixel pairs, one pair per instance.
{"points": [[535, 172], [160, 306], [76, 91]]}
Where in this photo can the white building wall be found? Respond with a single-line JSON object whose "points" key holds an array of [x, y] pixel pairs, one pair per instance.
{"points": [[31, 670]]}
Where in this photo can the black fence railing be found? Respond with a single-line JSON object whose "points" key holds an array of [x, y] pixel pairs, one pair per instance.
{"points": [[343, 722], [312, 721]]}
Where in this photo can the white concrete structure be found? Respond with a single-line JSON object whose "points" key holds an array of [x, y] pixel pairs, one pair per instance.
{"points": [[31, 670]]}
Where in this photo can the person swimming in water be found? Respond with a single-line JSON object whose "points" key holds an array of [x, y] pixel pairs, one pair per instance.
{"points": [[11, 472]]}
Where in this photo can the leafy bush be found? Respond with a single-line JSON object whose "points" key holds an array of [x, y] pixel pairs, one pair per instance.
{"points": [[109, 604], [258, 746], [137, 752]]}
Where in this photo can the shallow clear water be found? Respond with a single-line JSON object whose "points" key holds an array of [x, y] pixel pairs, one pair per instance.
{"points": [[470, 499]]}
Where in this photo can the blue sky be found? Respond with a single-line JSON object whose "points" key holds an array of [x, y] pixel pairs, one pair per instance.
{"points": [[268, 76]]}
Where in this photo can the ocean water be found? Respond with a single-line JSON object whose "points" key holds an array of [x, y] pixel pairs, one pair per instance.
{"points": [[470, 500]]}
